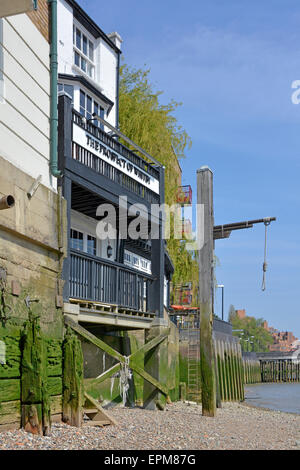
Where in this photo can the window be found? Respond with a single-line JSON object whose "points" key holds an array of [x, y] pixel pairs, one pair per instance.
{"points": [[88, 106], [83, 52], [76, 240], [91, 245], [67, 88], [83, 242], [137, 262]]}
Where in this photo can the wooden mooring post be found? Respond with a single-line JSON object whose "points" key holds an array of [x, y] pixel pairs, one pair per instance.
{"points": [[73, 391], [208, 380], [35, 402]]}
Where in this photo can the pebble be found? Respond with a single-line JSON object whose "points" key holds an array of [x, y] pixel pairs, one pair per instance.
{"points": [[180, 427]]}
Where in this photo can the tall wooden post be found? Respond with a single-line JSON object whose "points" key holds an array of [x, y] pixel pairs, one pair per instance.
{"points": [[73, 391], [205, 197], [34, 396]]}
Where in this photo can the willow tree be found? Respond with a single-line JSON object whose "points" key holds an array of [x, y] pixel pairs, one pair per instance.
{"points": [[154, 127]]}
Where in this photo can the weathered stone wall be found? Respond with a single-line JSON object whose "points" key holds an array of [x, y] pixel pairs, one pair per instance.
{"points": [[32, 243]]}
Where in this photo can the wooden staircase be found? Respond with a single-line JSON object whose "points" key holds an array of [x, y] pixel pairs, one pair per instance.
{"points": [[96, 414]]}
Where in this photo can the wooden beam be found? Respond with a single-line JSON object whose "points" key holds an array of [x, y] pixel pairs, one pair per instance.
{"points": [[94, 340], [101, 345], [90, 400], [149, 378], [208, 387], [147, 346], [108, 373]]}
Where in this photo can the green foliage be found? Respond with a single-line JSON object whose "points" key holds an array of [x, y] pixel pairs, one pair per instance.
{"points": [[154, 127], [251, 327], [231, 313]]}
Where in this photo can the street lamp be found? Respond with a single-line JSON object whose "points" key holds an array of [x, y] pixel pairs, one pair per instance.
{"points": [[222, 287]]}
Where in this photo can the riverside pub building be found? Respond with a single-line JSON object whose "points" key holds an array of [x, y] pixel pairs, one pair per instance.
{"points": [[120, 285]]}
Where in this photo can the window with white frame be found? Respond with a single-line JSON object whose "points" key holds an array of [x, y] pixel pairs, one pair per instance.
{"points": [[83, 241], [137, 262], [84, 52], [67, 88], [76, 240], [88, 106]]}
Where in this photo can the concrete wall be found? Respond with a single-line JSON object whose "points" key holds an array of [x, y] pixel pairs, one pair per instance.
{"points": [[29, 241]]}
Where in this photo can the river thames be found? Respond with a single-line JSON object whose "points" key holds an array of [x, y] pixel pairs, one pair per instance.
{"points": [[275, 396]]}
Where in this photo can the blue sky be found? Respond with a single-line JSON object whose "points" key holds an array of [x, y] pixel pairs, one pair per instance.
{"points": [[231, 64]]}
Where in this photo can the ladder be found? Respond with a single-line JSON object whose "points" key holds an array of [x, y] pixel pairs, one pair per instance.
{"points": [[194, 389]]}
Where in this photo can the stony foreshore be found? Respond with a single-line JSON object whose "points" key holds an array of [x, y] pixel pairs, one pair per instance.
{"points": [[179, 427]]}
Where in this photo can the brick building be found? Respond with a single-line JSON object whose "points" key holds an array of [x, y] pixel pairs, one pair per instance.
{"points": [[283, 340]]}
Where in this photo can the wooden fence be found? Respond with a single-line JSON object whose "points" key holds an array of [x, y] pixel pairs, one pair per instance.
{"points": [[282, 370]]}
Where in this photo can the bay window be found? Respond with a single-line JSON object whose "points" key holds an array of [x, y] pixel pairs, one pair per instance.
{"points": [[88, 106]]}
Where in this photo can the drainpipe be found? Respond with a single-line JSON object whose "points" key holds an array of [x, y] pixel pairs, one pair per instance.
{"points": [[118, 92], [7, 202], [53, 92]]}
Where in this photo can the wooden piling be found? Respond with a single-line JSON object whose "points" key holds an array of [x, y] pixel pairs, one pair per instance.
{"points": [[208, 381], [73, 391], [35, 402]]}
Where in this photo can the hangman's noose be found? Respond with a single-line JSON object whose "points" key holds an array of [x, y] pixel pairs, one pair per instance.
{"points": [[265, 264]]}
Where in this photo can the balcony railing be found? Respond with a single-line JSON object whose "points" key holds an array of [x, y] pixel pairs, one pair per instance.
{"points": [[99, 280], [91, 160]]}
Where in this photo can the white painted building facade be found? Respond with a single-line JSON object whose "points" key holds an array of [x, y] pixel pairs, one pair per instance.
{"points": [[85, 52], [25, 100]]}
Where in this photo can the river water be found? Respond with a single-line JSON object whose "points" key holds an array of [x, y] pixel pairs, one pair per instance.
{"points": [[275, 396]]}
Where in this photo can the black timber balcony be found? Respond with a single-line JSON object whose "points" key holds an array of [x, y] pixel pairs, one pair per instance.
{"points": [[117, 151], [98, 280]]}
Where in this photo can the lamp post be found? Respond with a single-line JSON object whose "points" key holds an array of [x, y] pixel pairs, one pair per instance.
{"points": [[222, 287]]}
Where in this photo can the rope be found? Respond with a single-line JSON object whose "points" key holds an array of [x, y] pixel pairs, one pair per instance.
{"points": [[265, 264], [125, 376]]}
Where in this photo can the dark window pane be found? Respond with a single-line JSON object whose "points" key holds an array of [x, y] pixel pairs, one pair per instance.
{"points": [[77, 59], [70, 90], [89, 104], [83, 64], [96, 111], [84, 45], [91, 51], [102, 116], [82, 99], [60, 87], [78, 39], [91, 245], [76, 240]]}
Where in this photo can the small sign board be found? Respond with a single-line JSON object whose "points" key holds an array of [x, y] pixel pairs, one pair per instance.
{"points": [[109, 155]]}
